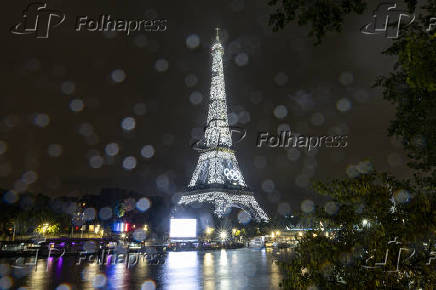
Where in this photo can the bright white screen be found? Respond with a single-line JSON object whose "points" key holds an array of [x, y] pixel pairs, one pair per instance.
{"points": [[183, 228]]}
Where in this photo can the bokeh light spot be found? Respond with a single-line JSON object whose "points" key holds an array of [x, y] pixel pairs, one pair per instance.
{"points": [[196, 98], [147, 151], [139, 235], [307, 206], [10, 196], [346, 78], [68, 87], [161, 65], [148, 285], [63, 286], [331, 207], [401, 196], [99, 281], [192, 41], [96, 161], [143, 204], [191, 80], [343, 105], [244, 217], [280, 112], [41, 120], [105, 213], [129, 163], [55, 150], [281, 79], [29, 177], [118, 76], [241, 59], [112, 149], [76, 105], [268, 185], [128, 123]]}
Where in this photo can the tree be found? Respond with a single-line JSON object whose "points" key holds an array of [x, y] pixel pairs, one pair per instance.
{"points": [[322, 15], [47, 229], [411, 88], [372, 213]]}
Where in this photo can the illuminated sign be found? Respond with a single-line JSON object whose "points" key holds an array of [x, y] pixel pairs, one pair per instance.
{"points": [[183, 228]]}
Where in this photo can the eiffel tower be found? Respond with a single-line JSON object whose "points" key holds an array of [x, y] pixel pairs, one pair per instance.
{"points": [[217, 179]]}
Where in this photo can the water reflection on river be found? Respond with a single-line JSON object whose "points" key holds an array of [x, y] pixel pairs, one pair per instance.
{"points": [[223, 269]]}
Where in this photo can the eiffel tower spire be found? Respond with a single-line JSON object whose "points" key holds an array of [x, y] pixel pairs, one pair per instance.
{"points": [[217, 178], [217, 127]]}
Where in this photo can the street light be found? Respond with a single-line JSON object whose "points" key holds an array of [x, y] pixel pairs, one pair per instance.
{"points": [[209, 230], [223, 235], [44, 228]]}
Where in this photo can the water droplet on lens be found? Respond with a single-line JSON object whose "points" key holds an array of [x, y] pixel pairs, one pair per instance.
{"points": [[192, 41], [129, 163], [161, 65], [343, 105], [307, 206], [112, 149], [241, 59], [147, 151], [128, 123], [280, 112], [76, 105], [118, 76], [196, 98]]}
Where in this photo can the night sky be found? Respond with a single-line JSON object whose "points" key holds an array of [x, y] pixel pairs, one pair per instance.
{"points": [[65, 98]]}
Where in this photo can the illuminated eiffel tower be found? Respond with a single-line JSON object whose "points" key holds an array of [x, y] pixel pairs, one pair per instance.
{"points": [[217, 179]]}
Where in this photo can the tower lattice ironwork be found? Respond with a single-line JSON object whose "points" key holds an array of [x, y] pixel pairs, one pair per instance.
{"points": [[217, 178]]}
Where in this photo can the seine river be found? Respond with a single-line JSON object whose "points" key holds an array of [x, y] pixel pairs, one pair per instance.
{"points": [[222, 269]]}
